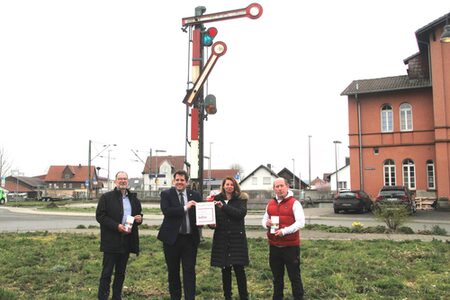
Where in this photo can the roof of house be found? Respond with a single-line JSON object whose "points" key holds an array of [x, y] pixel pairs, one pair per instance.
{"points": [[287, 174], [423, 31], [318, 181], [177, 162], [260, 167], [31, 181], [79, 173], [386, 84], [219, 174], [22, 184]]}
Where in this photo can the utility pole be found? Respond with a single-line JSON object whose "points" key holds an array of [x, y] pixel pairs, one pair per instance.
{"points": [[309, 160], [88, 180]]}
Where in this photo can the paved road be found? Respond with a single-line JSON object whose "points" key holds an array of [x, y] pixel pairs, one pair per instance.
{"points": [[28, 219]]}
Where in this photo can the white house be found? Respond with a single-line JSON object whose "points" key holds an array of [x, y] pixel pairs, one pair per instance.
{"points": [[343, 177], [261, 178]]}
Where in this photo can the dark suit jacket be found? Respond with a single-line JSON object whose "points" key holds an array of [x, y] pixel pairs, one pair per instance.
{"points": [[173, 213], [109, 214]]}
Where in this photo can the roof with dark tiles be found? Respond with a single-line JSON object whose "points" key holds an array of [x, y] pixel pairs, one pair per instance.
{"points": [[385, 84], [79, 173]]}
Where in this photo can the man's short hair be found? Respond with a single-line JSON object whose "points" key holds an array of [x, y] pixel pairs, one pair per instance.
{"points": [[117, 174], [181, 173], [286, 182]]}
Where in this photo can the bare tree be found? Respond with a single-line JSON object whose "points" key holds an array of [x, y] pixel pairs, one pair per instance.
{"points": [[237, 167], [5, 164]]}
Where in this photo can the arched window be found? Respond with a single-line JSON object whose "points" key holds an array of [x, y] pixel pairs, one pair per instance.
{"points": [[389, 172], [406, 123], [409, 174], [386, 118], [431, 184]]}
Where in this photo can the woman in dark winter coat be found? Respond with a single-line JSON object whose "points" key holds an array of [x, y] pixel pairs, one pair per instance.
{"points": [[229, 248]]}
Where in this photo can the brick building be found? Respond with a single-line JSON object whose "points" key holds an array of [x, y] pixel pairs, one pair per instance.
{"points": [[399, 127]]}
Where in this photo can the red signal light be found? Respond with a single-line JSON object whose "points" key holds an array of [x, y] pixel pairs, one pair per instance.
{"points": [[212, 31]]}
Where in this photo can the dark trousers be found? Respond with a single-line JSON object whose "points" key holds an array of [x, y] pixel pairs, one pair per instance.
{"points": [[185, 251], [111, 261], [239, 271], [279, 257]]}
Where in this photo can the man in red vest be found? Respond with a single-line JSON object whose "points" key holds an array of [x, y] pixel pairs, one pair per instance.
{"points": [[283, 219]]}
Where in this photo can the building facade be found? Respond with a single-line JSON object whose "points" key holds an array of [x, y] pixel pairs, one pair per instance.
{"points": [[399, 127]]}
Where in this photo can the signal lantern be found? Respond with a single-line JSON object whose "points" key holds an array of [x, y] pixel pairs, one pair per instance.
{"points": [[210, 104], [208, 36]]}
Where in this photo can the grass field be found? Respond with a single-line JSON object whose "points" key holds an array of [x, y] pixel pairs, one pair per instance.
{"points": [[67, 266]]}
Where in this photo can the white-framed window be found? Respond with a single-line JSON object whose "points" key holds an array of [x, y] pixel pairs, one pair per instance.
{"points": [[387, 118], [389, 172], [406, 123], [267, 180], [431, 184], [409, 174], [255, 180], [342, 185], [64, 185]]}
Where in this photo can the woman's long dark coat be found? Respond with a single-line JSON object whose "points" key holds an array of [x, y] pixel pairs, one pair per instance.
{"points": [[230, 241]]}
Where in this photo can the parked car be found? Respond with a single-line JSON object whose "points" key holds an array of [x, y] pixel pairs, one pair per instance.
{"points": [[397, 194], [355, 200]]}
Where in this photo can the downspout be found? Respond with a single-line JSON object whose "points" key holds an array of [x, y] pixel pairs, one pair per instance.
{"points": [[358, 107]]}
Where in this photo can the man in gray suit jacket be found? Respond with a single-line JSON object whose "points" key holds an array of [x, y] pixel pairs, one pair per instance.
{"points": [[180, 235]]}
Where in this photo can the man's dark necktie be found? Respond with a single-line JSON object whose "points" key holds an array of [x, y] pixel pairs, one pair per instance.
{"points": [[183, 222]]}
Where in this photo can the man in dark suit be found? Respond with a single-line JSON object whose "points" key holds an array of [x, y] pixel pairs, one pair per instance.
{"points": [[180, 235]]}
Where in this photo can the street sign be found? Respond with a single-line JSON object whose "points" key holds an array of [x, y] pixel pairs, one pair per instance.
{"points": [[86, 183], [154, 175]]}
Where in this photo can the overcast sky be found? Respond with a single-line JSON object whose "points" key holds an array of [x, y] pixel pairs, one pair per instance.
{"points": [[115, 72]]}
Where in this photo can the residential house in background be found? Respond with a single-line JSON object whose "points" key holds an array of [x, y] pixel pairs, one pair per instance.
{"points": [[319, 184], [294, 181], [166, 166], [158, 171], [25, 187], [261, 178], [399, 127], [343, 177], [212, 179], [71, 181]]}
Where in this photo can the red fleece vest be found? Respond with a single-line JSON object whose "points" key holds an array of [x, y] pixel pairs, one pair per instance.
{"points": [[286, 214]]}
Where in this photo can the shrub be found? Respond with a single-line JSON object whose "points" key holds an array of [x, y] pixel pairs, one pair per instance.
{"points": [[406, 230], [436, 230], [375, 229], [81, 226], [425, 232], [392, 214]]}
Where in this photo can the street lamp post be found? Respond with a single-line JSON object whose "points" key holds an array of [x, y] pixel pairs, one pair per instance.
{"points": [[209, 165], [209, 171], [109, 165], [336, 163], [90, 159], [293, 174], [309, 160], [157, 167]]}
